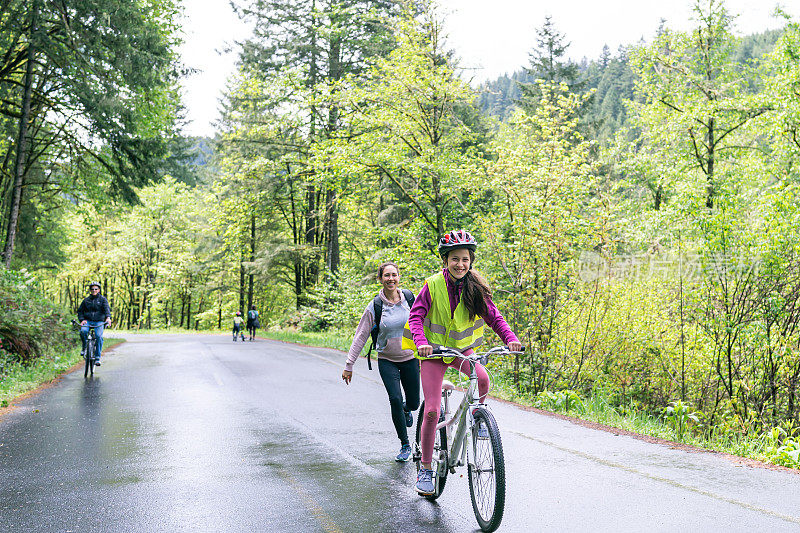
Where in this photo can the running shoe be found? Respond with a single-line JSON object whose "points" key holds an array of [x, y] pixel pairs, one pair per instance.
{"points": [[405, 453]]}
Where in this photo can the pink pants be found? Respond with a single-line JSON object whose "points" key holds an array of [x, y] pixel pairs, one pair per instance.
{"points": [[432, 373]]}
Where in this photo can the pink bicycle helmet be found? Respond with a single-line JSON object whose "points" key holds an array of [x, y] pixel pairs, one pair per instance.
{"points": [[457, 239]]}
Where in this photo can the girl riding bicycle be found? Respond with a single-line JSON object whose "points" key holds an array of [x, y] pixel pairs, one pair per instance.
{"points": [[450, 311]]}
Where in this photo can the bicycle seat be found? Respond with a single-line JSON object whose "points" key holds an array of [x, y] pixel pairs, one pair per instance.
{"points": [[446, 385]]}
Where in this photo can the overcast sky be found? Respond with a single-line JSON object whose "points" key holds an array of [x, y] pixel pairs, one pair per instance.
{"points": [[491, 37]]}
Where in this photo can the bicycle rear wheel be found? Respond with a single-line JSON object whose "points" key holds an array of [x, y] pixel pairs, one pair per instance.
{"points": [[439, 458], [487, 477]]}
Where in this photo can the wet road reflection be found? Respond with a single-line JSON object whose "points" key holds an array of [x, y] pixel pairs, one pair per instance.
{"points": [[195, 433]]}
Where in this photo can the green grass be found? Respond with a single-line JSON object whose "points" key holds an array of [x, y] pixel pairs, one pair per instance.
{"points": [[337, 340], [19, 379], [597, 408]]}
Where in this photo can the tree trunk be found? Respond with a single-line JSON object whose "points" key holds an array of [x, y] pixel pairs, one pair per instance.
{"points": [[710, 165], [241, 281], [332, 231], [199, 310], [252, 259], [189, 312], [331, 203], [312, 269], [22, 140], [311, 236], [219, 310]]}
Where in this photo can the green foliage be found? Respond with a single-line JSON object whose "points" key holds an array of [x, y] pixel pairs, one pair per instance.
{"points": [[562, 401], [337, 303], [549, 65], [30, 324], [405, 134], [679, 416], [101, 109], [782, 447], [543, 171], [640, 237]]}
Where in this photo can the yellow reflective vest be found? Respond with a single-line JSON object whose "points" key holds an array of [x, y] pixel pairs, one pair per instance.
{"points": [[441, 327]]}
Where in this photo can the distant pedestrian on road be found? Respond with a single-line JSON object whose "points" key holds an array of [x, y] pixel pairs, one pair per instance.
{"points": [[398, 368], [94, 312], [252, 322], [237, 326]]}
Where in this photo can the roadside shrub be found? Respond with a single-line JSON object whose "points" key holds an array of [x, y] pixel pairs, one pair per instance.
{"points": [[782, 447], [30, 324]]}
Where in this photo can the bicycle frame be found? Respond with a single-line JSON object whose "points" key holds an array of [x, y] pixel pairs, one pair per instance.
{"points": [[462, 419]]}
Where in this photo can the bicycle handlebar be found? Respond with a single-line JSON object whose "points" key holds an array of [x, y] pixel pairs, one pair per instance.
{"points": [[77, 325], [481, 357]]}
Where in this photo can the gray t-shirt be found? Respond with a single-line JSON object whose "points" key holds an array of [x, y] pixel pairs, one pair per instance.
{"points": [[393, 319]]}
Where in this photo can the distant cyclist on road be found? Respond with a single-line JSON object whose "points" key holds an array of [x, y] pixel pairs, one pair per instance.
{"points": [[397, 367], [450, 310], [94, 312]]}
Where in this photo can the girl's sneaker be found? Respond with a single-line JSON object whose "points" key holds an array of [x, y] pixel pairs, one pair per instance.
{"points": [[405, 453], [425, 482]]}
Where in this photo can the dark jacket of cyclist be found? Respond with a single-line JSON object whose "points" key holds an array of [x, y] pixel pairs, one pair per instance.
{"points": [[94, 308]]}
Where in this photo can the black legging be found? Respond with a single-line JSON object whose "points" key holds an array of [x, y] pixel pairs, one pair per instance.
{"points": [[394, 375]]}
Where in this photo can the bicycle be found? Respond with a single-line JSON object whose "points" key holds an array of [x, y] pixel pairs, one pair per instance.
{"points": [[89, 353], [470, 437]]}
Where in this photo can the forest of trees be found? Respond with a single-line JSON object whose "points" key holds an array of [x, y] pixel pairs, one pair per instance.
{"points": [[637, 213]]}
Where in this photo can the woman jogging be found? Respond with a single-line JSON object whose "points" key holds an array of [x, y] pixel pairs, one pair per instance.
{"points": [[398, 367], [450, 311]]}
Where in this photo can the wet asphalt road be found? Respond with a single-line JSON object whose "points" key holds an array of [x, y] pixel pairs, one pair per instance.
{"points": [[196, 433]]}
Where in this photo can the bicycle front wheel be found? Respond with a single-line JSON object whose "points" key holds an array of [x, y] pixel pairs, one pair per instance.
{"points": [[88, 369], [439, 460], [487, 476]]}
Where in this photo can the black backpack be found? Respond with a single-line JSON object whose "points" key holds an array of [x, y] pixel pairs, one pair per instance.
{"points": [[377, 306]]}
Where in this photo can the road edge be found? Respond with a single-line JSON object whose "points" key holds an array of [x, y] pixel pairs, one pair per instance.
{"points": [[689, 448], [47, 384]]}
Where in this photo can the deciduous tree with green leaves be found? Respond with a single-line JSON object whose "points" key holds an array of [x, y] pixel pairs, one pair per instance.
{"points": [[544, 175], [404, 131], [695, 103]]}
